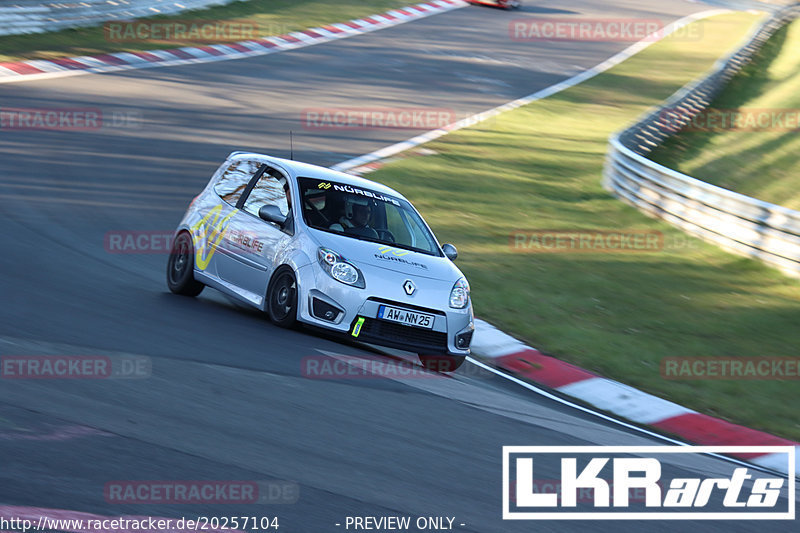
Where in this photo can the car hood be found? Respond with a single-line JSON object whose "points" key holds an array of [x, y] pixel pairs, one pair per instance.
{"points": [[365, 253]]}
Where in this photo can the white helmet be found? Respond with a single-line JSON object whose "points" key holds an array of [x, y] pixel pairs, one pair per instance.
{"points": [[356, 202]]}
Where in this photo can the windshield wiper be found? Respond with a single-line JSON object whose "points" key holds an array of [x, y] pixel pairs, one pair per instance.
{"points": [[387, 243], [376, 241]]}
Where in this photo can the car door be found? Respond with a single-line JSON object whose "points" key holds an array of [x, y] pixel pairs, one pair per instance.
{"points": [[214, 216], [252, 244]]}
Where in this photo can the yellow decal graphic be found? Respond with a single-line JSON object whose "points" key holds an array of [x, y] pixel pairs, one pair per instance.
{"points": [[395, 251], [324, 186], [207, 235], [357, 327]]}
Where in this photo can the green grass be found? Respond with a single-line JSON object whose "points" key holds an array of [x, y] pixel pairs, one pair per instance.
{"points": [[539, 167], [272, 17], [763, 164]]}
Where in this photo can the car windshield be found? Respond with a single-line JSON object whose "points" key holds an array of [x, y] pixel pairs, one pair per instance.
{"points": [[364, 214]]}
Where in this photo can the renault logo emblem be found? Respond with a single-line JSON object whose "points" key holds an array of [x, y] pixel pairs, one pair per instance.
{"points": [[409, 287]]}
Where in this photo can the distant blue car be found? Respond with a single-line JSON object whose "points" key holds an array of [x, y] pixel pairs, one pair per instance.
{"points": [[308, 244]]}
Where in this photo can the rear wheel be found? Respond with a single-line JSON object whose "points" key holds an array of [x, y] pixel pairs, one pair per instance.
{"points": [[282, 298], [442, 363], [180, 267]]}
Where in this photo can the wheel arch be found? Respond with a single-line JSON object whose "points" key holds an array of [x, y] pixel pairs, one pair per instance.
{"points": [[294, 261]]}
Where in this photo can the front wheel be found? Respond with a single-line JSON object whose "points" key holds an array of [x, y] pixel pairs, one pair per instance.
{"points": [[282, 299], [442, 363], [180, 267]]}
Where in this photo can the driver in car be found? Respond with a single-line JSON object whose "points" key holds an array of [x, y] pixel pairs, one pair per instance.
{"points": [[357, 215]]}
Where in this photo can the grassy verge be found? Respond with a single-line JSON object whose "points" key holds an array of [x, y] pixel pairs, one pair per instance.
{"points": [[270, 17], [763, 163], [539, 168]]}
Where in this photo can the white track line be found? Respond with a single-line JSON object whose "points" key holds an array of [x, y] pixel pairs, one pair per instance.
{"points": [[563, 401], [394, 149], [51, 70], [544, 93]]}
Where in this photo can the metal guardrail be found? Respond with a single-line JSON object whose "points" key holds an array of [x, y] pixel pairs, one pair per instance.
{"points": [[29, 16], [736, 222]]}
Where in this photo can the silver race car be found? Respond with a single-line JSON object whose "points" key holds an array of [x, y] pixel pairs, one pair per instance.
{"points": [[308, 244]]}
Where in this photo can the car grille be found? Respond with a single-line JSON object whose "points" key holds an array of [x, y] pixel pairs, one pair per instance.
{"points": [[411, 338]]}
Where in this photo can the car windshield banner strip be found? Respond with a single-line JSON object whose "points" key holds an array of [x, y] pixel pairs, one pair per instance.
{"points": [[340, 187]]}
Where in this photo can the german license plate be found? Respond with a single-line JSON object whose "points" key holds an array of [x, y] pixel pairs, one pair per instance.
{"points": [[409, 318]]}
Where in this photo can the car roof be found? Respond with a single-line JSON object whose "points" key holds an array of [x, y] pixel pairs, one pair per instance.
{"points": [[306, 170]]}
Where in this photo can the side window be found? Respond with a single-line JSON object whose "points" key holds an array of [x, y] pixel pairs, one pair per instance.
{"points": [[395, 224], [268, 190], [233, 181], [419, 237], [407, 231]]}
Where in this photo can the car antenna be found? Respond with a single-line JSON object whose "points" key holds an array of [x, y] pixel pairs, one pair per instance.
{"points": [[291, 145]]}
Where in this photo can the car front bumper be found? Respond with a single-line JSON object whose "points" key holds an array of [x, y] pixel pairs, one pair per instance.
{"points": [[326, 303]]}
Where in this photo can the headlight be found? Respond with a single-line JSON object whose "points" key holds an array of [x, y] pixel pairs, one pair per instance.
{"points": [[459, 295], [340, 269]]}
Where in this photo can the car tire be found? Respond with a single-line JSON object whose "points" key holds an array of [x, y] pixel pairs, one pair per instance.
{"points": [[180, 267], [282, 298], [442, 363]]}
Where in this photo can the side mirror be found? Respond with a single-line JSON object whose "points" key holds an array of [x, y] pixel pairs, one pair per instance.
{"points": [[271, 213], [450, 251]]}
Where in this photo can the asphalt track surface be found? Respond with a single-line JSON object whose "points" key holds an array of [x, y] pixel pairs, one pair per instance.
{"points": [[226, 399]]}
